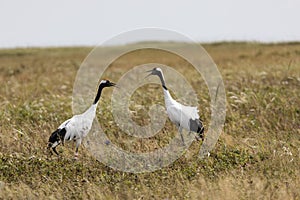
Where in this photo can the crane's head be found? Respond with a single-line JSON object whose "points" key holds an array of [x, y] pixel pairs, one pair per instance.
{"points": [[155, 71], [107, 83]]}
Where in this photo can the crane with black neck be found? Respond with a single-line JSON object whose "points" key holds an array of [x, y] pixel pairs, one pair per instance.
{"points": [[77, 127]]}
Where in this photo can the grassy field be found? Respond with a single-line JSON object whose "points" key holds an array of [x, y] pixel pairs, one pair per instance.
{"points": [[256, 157]]}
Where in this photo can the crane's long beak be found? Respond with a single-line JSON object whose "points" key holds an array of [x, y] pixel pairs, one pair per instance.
{"points": [[148, 74], [114, 85]]}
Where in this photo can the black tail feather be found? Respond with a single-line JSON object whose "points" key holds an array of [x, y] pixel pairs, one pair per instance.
{"points": [[197, 127]]}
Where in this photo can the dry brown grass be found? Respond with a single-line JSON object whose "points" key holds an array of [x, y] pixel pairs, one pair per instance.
{"points": [[257, 156]]}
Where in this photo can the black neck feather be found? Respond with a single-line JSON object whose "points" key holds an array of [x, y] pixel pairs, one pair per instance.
{"points": [[162, 81], [98, 94]]}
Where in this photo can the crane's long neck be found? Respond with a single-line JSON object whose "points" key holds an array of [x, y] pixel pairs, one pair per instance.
{"points": [[168, 97], [98, 94], [91, 111], [162, 80]]}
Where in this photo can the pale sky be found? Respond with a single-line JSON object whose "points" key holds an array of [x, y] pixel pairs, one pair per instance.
{"points": [[26, 23]]}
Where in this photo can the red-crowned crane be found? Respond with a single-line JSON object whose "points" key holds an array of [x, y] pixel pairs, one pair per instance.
{"points": [[184, 117], [77, 127]]}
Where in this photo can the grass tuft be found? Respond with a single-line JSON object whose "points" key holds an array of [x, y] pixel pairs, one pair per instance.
{"points": [[257, 155]]}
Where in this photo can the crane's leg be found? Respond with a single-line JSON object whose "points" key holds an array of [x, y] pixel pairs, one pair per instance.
{"points": [[78, 142], [191, 132], [180, 131], [196, 136], [54, 150]]}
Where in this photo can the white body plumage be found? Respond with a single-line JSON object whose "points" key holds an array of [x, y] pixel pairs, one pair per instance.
{"points": [[180, 114], [79, 125]]}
